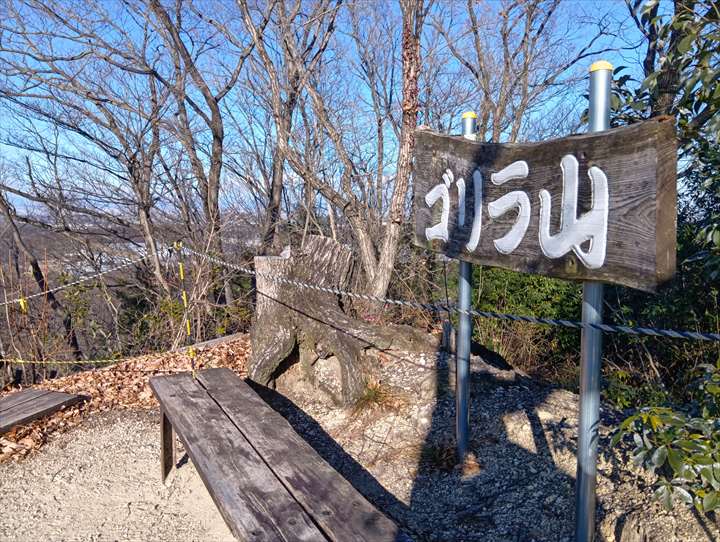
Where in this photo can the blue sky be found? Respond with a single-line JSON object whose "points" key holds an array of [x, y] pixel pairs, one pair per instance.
{"points": [[614, 10]]}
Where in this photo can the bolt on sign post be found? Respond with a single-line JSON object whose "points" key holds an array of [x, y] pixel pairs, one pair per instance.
{"points": [[597, 207], [464, 337]]}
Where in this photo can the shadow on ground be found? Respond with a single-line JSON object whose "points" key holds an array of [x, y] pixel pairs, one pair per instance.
{"points": [[515, 492]]}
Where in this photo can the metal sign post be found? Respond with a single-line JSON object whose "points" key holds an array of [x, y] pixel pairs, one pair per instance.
{"points": [[520, 207], [591, 343], [464, 337]]}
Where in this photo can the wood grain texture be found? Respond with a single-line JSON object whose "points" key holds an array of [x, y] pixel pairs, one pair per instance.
{"points": [[167, 446], [319, 324], [9, 401], [640, 162], [253, 502], [335, 505], [26, 406]]}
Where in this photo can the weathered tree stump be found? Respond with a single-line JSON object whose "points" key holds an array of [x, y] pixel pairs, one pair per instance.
{"points": [[295, 324]]}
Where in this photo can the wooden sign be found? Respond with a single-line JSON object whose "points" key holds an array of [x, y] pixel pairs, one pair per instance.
{"points": [[599, 206]]}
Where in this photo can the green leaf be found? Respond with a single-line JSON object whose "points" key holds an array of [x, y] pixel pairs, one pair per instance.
{"points": [[639, 457], [690, 445], [659, 457], [655, 422], [706, 475], [664, 496], [687, 473], [650, 81], [686, 43], [712, 388], [675, 460], [700, 459], [711, 501]]}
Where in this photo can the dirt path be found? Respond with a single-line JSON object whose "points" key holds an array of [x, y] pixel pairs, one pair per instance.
{"points": [[101, 482]]}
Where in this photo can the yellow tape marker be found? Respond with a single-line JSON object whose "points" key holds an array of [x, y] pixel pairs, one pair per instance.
{"points": [[187, 326], [184, 298], [182, 271], [23, 304]]}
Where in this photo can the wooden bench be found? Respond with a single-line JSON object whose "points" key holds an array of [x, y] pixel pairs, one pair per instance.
{"points": [[268, 483], [25, 406]]}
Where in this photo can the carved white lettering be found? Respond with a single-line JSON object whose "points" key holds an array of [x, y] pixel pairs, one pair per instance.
{"points": [[440, 191], [477, 212], [516, 170], [514, 200], [461, 201], [590, 227]]}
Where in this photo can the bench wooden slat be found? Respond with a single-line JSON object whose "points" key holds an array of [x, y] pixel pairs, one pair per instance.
{"points": [[14, 399], [250, 498], [335, 505], [35, 406]]}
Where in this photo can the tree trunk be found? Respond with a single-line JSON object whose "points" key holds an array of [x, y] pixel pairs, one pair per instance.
{"points": [[42, 283], [413, 16], [319, 326], [272, 214], [147, 229]]}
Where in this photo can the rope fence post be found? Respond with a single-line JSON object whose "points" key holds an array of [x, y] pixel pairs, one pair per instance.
{"points": [[591, 343], [464, 334], [186, 306]]}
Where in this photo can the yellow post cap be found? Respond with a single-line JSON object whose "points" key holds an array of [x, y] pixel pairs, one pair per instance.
{"points": [[601, 65], [469, 115]]}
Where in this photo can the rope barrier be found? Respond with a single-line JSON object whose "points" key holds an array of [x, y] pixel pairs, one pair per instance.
{"points": [[22, 301], [608, 328], [109, 362], [20, 361]]}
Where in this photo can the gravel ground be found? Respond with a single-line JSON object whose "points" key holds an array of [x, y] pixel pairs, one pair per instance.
{"points": [[101, 481], [519, 488]]}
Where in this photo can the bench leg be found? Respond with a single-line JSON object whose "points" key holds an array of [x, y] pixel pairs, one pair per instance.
{"points": [[167, 446]]}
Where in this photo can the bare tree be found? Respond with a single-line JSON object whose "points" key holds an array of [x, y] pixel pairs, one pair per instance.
{"points": [[303, 40], [186, 68], [518, 55], [377, 255], [55, 76], [71, 337]]}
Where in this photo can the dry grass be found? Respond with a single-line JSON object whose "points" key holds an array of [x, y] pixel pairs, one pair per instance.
{"points": [[380, 396]]}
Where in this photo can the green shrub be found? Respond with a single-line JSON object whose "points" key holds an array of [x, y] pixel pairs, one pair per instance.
{"points": [[550, 353], [681, 447], [622, 391]]}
